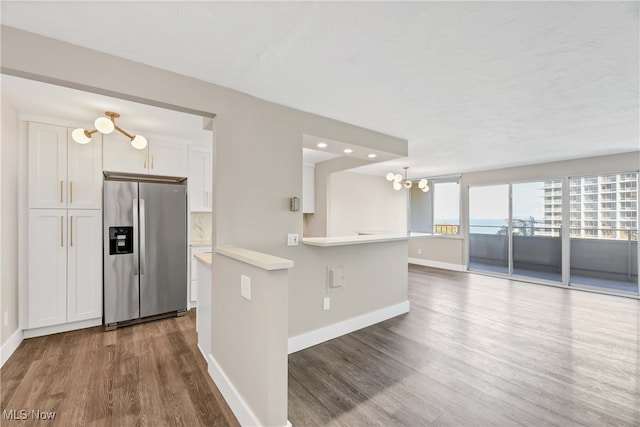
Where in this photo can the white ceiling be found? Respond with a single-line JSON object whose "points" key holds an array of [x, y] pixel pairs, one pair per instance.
{"points": [[471, 85]]}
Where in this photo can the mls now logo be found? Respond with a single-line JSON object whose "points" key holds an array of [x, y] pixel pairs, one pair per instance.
{"points": [[23, 414]]}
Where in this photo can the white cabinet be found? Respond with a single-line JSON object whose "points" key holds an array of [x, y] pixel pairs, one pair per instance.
{"points": [[200, 197], [65, 266], [84, 265], [308, 189], [204, 313], [63, 173], [118, 155], [158, 158], [168, 159], [193, 273]]}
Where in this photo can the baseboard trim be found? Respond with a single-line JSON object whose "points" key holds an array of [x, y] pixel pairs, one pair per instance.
{"points": [[63, 327], [238, 406], [10, 346], [437, 264], [309, 339]]}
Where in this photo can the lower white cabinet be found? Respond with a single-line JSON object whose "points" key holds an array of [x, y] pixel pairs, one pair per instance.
{"points": [[65, 266], [193, 273]]}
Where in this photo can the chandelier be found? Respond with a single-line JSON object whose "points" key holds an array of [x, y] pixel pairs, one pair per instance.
{"points": [[107, 125], [398, 182]]}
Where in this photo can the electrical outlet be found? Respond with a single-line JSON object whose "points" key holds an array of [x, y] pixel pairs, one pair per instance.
{"points": [[292, 240], [326, 303], [5, 319], [245, 287], [419, 251]]}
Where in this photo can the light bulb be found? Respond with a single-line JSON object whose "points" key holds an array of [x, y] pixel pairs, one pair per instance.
{"points": [[407, 184], [423, 183], [348, 150], [79, 135], [104, 125], [397, 186], [390, 176], [397, 178], [139, 142], [372, 156], [322, 145], [425, 188]]}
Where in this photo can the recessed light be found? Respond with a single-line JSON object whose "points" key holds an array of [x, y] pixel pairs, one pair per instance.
{"points": [[322, 145], [348, 150], [372, 156]]}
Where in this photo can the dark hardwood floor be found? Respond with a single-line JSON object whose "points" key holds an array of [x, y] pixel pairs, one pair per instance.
{"points": [[478, 351], [149, 374]]}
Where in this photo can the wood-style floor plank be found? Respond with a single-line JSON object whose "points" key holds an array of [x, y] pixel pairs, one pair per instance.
{"points": [[478, 351], [150, 374]]}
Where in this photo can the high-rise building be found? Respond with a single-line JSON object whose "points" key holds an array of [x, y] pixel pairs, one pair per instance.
{"points": [[602, 207]]}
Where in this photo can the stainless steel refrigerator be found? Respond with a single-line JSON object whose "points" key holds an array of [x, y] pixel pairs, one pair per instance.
{"points": [[145, 250]]}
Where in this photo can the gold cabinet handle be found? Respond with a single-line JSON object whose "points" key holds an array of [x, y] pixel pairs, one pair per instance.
{"points": [[61, 191], [71, 231], [145, 162], [70, 191], [152, 157], [61, 231]]}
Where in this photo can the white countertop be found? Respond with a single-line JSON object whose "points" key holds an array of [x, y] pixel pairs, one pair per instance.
{"points": [[204, 257], [352, 240], [258, 259], [410, 235], [363, 237]]}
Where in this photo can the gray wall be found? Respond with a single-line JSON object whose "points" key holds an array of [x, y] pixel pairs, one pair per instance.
{"points": [[9, 221]]}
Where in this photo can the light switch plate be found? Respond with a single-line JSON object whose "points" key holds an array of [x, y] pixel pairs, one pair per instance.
{"points": [[292, 240], [245, 287], [326, 303]]}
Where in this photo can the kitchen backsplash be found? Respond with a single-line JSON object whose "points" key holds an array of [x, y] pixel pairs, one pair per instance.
{"points": [[201, 226]]}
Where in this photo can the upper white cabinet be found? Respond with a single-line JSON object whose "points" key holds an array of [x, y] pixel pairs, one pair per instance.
{"points": [[159, 158], [63, 173], [118, 155], [200, 181], [168, 158], [308, 189]]}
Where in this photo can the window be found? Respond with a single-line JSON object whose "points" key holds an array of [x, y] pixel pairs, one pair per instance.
{"points": [[438, 210]]}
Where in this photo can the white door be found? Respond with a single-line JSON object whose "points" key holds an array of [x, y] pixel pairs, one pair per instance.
{"points": [[84, 268], [47, 166], [47, 283], [168, 159], [118, 155], [84, 174], [199, 181]]}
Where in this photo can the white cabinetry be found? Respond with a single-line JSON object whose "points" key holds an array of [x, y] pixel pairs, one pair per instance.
{"points": [[65, 266], [204, 313], [193, 272], [64, 254], [63, 173], [158, 158], [200, 181], [308, 189]]}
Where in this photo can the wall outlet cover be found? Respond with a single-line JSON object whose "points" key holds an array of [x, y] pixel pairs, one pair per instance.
{"points": [[245, 287], [292, 240]]}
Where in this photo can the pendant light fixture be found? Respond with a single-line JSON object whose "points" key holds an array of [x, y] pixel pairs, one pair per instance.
{"points": [[107, 125], [398, 182]]}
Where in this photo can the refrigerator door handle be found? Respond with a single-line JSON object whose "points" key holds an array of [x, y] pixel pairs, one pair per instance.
{"points": [[135, 235], [143, 235]]}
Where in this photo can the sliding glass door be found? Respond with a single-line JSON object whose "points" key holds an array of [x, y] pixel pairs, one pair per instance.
{"points": [[539, 230], [604, 232], [488, 228], [536, 230]]}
